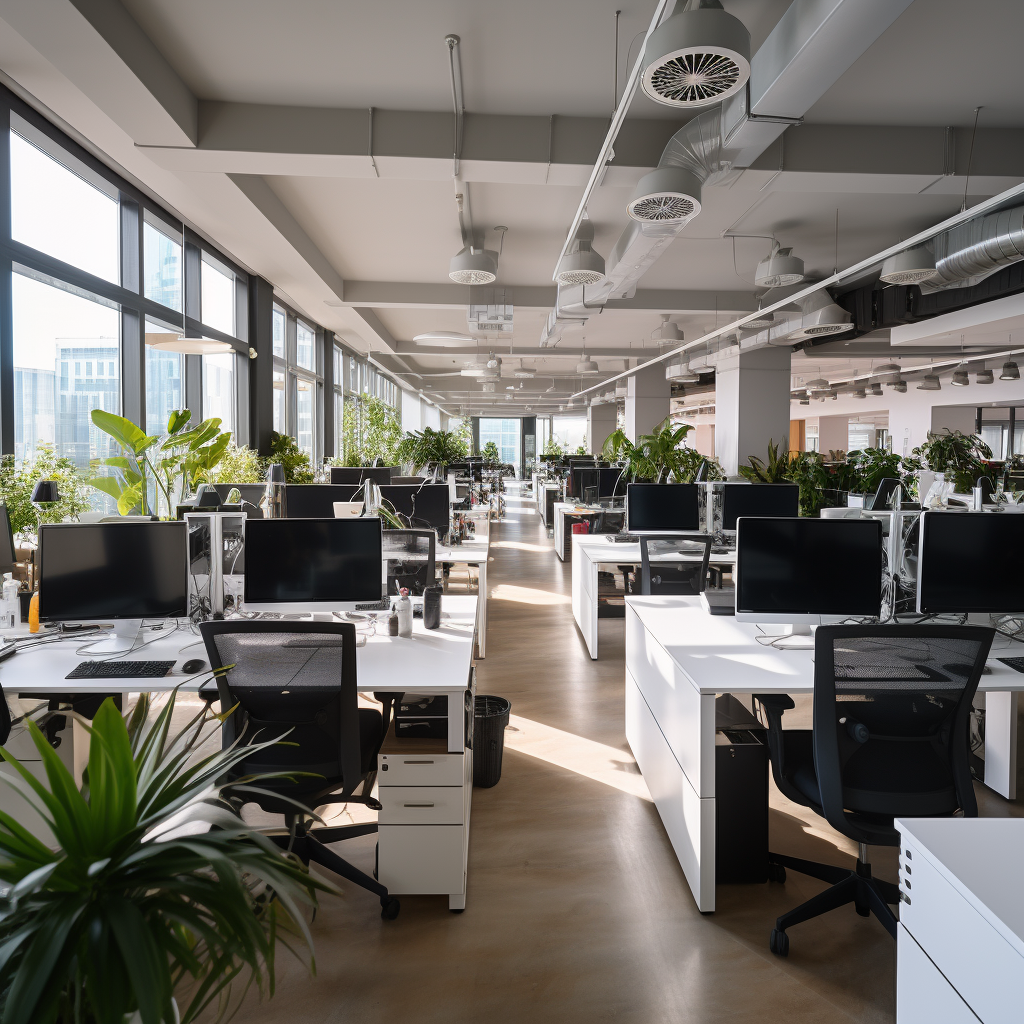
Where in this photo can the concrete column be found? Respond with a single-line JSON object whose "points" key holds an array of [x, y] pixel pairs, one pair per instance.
{"points": [[833, 434], [648, 396], [600, 423], [751, 406]]}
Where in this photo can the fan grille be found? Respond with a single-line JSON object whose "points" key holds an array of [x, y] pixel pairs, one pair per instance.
{"points": [[664, 207], [811, 332], [580, 277], [908, 276], [691, 79], [779, 280], [472, 276]]}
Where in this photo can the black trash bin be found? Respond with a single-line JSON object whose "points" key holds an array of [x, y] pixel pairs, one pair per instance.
{"points": [[489, 720]]}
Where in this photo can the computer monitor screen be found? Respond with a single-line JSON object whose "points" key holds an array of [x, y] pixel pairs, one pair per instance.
{"points": [[346, 474], [90, 571], [431, 503], [582, 479], [297, 564], [807, 570], [315, 501], [773, 500], [655, 508], [8, 556], [971, 562]]}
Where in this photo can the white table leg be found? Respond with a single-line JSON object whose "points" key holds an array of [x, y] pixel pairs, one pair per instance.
{"points": [[481, 611], [457, 901], [1001, 743]]}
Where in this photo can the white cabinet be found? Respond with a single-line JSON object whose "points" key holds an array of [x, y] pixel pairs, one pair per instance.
{"points": [[923, 995]]}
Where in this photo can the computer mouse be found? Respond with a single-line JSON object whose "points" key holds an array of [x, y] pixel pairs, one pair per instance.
{"points": [[190, 668]]}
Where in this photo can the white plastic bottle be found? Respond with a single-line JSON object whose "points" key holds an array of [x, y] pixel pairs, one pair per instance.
{"points": [[10, 614], [404, 608]]}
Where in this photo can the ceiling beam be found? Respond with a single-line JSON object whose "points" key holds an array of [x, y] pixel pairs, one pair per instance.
{"points": [[532, 352]]}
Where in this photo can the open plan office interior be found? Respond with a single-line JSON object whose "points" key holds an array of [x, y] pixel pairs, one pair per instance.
{"points": [[511, 512]]}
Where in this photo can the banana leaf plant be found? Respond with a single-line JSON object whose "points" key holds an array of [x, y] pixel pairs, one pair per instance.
{"points": [[657, 456], [155, 890], [429, 447], [173, 463]]}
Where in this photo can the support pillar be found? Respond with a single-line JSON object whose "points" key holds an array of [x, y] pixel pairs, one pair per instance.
{"points": [[751, 406], [600, 423], [648, 397]]}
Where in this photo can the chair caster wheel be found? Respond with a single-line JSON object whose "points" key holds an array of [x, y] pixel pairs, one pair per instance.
{"points": [[779, 943], [389, 908], [456, 910], [776, 872]]}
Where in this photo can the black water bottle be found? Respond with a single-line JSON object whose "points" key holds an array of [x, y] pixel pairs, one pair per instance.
{"points": [[431, 607]]}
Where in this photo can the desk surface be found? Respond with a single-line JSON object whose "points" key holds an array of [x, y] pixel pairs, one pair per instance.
{"points": [[718, 654], [471, 551], [599, 548], [429, 660], [992, 882]]}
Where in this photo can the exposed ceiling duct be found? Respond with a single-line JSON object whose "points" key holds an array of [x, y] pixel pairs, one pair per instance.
{"points": [[779, 269], [910, 267], [581, 265], [680, 373], [967, 254], [820, 317], [474, 266], [700, 55]]}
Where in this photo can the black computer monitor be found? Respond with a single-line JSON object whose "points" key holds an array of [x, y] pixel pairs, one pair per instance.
{"points": [[8, 556], [346, 474], [662, 508], [771, 500], [609, 478], [970, 562], [378, 474], [807, 571], [312, 564], [315, 501], [580, 480], [425, 504], [98, 572]]}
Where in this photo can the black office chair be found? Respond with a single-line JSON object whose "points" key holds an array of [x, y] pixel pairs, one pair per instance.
{"points": [[659, 574], [297, 681], [410, 558], [608, 522], [891, 739]]}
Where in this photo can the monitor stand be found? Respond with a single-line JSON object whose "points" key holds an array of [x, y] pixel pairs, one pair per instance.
{"points": [[121, 640], [797, 638]]}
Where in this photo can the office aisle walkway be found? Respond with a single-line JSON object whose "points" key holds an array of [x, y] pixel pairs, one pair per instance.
{"points": [[577, 910]]}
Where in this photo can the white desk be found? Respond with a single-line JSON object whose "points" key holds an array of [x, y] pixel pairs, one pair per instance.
{"points": [[472, 552], [960, 941], [430, 855], [589, 553], [678, 658]]}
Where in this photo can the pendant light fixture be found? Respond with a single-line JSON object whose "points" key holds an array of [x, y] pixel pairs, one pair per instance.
{"points": [[910, 267], [875, 389], [900, 387], [1009, 371], [984, 376], [887, 373], [779, 268], [474, 266], [860, 393], [930, 382], [960, 378]]}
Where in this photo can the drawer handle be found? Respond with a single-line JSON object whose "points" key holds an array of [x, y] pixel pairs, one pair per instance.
{"points": [[417, 805], [417, 762]]}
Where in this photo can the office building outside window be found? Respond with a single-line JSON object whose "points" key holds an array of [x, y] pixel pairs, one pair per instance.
{"points": [[505, 434], [161, 260], [165, 372]]}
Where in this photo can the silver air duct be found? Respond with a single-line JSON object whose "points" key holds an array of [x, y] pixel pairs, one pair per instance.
{"points": [[969, 253]]}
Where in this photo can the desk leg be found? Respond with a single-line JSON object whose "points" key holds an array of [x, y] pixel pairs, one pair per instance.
{"points": [[1001, 743], [481, 611]]}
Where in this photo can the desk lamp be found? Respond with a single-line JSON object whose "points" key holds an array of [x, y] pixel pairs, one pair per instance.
{"points": [[44, 496]]}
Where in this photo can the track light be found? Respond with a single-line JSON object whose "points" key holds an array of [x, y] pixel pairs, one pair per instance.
{"points": [[474, 266], [779, 269], [699, 55], [960, 378], [910, 267], [984, 377], [1009, 371], [900, 387], [875, 389], [930, 382]]}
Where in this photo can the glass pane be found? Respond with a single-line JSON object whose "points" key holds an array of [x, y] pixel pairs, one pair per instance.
{"points": [[219, 388], [339, 423], [304, 416], [304, 346], [279, 414], [339, 367], [165, 372], [218, 298], [279, 329], [161, 260], [67, 360], [58, 212]]}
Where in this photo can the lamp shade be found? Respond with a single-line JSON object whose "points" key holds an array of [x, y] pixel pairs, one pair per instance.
{"points": [[275, 473], [45, 492], [1009, 371]]}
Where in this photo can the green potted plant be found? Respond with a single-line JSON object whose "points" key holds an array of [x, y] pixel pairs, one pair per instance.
{"points": [[239, 465], [16, 483], [168, 466], [429, 447], [960, 457], [131, 908], [553, 451], [285, 451], [772, 470], [491, 454], [659, 456]]}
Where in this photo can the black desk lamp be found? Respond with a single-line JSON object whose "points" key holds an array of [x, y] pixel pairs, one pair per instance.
{"points": [[44, 495]]}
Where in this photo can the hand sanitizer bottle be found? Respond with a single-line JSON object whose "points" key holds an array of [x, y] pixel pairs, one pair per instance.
{"points": [[404, 608]]}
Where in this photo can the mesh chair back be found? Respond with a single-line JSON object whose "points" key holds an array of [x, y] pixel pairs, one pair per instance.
{"points": [[410, 558], [674, 564], [892, 719], [609, 522], [296, 681]]}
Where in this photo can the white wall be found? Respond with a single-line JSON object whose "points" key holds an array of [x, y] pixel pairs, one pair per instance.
{"points": [[431, 416], [570, 431], [412, 416]]}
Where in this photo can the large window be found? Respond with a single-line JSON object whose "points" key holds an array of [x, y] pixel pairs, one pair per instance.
{"points": [[505, 434], [67, 362], [298, 382], [161, 260], [59, 212], [218, 296], [219, 388]]}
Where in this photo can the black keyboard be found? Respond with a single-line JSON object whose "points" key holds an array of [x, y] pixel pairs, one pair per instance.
{"points": [[120, 670], [375, 606], [1017, 664]]}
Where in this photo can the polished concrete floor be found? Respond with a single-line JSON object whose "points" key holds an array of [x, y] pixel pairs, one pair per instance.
{"points": [[577, 909]]}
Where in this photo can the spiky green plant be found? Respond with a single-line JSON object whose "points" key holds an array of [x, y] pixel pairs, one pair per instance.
{"points": [[429, 447], [135, 906], [767, 471], [660, 455]]}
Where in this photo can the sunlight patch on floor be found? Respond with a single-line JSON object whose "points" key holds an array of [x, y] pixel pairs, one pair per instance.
{"points": [[613, 767], [519, 545], [527, 595]]}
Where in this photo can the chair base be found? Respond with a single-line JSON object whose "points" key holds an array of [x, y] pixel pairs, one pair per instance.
{"points": [[308, 846], [869, 896]]}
